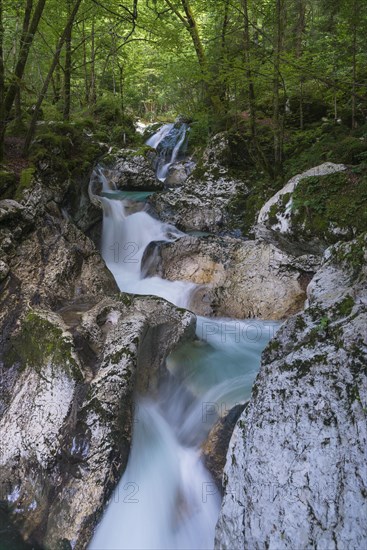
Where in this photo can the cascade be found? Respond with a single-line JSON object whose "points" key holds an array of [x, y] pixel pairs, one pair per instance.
{"points": [[169, 143], [166, 499]]}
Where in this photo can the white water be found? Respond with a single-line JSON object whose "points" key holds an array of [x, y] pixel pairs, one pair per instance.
{"points": [[168, 142], [166, 500]]}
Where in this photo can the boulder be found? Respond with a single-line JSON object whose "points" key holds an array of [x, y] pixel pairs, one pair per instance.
{"points": [[134, 171], [235, 278], [290, 221], [178, 172], [295, 475], [214, 449], [201, 202]]}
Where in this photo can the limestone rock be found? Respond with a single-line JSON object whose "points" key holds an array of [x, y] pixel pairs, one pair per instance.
{"points": [[66, 424], [4, 270], [178, 172], [201, 203], [295, 475], [237, 278], [133, 171], [276, 221], [215, 447]]}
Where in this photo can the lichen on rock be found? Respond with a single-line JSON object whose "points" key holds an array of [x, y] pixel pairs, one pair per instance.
{"points": [[302, 441]]}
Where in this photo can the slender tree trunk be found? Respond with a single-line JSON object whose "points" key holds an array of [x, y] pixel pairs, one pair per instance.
{"points": [[189, 22], [2, 84], [93, 93], [300, 29], [18, 105], [277, 115], [67, 69], [29, 30], [86, 77], [248, 70], [57, 84], [301, 116], [224, 80], [354, 60], [251, 89], [26, 43], [32, 126], [121, 86]]}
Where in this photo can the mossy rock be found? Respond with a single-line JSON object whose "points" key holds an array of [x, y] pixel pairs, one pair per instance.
{"points": [[41, 342], [26, 181], [331, 207], [245, 206], [63, 150]]}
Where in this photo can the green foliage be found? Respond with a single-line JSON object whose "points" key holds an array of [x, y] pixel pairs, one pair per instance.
{"points": [[324, 143]]}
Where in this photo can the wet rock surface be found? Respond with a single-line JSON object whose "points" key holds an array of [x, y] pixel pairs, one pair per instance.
{"points": [[301, 443], [201, 202], [71, 346], [134, 171], [237, 278]]}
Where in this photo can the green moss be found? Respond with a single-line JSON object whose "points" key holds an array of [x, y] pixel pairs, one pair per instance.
{"points": [[123, 353], [63, 150], [26, 181], [351, 255], [338, 200], [273, 211], [302, 367], [344, 308], [300, 323], [326, 142], [41, 342], [126, 299]]}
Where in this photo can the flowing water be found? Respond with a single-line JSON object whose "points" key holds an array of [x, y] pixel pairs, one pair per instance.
{"points": [[169, 142], [166, 499]]}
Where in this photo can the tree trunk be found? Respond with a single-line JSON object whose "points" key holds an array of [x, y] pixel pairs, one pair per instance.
{"points": [[121, 86], [2, 85], [29, 30], [248, 71], [32, 126], [354, 59], [211, 96], [300, 29], [93, 93], [224, 80], [260, 156], [277, 116], [57, 84], [67, 70], [86, 77]]}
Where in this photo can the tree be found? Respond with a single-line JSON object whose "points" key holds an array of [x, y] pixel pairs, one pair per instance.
{"points": [[30, 25], [45, 86]]}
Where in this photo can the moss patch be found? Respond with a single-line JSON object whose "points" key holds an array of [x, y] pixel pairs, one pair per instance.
{"points": [[26, 181], [63, 150], [336, 200], [41, 342]]}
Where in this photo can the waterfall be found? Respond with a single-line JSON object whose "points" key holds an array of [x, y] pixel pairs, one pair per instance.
{"points": [[166, 499], [169, 143]]}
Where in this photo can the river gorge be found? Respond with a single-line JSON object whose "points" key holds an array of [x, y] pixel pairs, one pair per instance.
{"points": [[169, 383]]}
